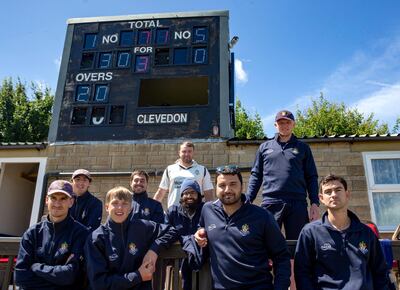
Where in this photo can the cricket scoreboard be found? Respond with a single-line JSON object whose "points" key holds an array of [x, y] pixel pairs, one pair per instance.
{"points": [[150, 76]]}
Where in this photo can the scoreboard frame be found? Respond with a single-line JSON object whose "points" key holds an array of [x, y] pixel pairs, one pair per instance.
{"points": [[213, 116]]}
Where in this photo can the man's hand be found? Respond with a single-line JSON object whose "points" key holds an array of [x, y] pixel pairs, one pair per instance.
{"points": [[146, 270], [314, 212], [150, 256], [201, 237]]}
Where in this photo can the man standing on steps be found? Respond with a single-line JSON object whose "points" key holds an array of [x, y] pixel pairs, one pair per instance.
{"points": [[285, 167], [184, 167], [87, 209]]}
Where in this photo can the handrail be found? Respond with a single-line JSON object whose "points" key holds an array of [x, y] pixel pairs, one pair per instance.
{"points": [[9, 247]]}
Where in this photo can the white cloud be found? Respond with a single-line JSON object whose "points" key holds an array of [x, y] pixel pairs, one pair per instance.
{"points": [[382, 103], [240, 73]]}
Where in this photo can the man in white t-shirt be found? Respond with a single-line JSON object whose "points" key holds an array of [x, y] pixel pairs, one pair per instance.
{"points": [[175, 174]]}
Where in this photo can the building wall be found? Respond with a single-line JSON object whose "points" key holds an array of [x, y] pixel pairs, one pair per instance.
{"points": [[342, 158]]}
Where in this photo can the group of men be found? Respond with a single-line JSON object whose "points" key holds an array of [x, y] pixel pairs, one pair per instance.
{"points": [[243, 242]]}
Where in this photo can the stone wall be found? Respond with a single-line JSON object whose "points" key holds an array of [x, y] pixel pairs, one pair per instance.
{"points": [[339, 157]]}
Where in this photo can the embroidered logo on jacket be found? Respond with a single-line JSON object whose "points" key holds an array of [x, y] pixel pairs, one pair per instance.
{"points": [[295, 151], [146, 211], [362, 246], [269, 151], [113, 257], [132, 248], [245, 230], [326, 247], [64, 248], [211, 227]]}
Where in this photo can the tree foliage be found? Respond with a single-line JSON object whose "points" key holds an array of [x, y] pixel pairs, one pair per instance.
{"points": [[329, 118], [22, 117], [247, 126]]}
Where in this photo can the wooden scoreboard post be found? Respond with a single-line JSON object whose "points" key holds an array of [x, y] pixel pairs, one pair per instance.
{"points": [[151, 76]]}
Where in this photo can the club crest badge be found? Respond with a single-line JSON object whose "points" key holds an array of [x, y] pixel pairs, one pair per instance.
{"points": [[196, 172], [245, 230], [326, 247], [132, 248], [295, 151], [63, 248], [362, 246], [146, 211]]}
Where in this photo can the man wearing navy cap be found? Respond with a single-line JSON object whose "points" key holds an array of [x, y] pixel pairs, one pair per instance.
{"points": [[285, 167], [185, 218], [87, 208], [50, 253]]}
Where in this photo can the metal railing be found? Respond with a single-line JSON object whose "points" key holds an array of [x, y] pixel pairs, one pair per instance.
{"points": [[164, 275]]}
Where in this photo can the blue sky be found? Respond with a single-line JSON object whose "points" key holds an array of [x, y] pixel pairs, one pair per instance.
{"points": [[288, 51]]}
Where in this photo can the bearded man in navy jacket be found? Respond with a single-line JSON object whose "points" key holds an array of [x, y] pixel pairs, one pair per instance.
{"points": [[338, 251], [50, 253], [143, 206], [240, 238], [185, 218]]}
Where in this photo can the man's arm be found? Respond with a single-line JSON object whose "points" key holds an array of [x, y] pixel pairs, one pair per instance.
{"points": [[256, 177], [209, 195], [311, 178], [163, 187], [64, 274], [23, 275], [377, 265], [207, 186], [159, 195], [304, 259]]}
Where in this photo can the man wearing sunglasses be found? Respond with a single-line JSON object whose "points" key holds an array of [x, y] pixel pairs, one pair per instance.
{"points": [[285, 167], [239, 238]]}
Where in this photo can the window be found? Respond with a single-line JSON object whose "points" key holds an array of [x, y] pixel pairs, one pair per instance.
{"points": [[90, 41], [382, 170], [126, 38]]}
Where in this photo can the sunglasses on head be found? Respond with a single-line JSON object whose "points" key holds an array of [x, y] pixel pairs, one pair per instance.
{"points": [[228, 169]]}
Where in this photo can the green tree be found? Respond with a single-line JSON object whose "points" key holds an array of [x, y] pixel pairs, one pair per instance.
{"points": [[23, 117], [329, 118], [246, 126], [396, 127]]}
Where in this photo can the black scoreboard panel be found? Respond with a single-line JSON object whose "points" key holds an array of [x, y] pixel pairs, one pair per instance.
{"points": [[132, 79]]}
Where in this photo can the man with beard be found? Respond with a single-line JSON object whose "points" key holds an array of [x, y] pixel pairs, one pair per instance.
{"points": [[144, 207], [50, 253], [184, 167], [185, 219], [240, 238], [87, 208]]}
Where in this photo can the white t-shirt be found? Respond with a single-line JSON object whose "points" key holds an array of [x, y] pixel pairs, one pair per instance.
{"points": [[174, 175]]}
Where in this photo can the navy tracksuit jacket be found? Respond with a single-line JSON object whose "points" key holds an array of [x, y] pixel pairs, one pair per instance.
{"points": [[178, 218], [115, 251], [329, 259], [240, 246], [44, 258], [87, 209], [147, 208], [286, 172]]}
